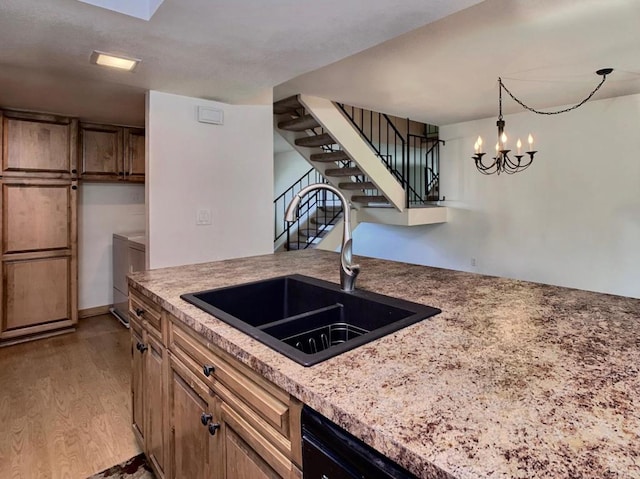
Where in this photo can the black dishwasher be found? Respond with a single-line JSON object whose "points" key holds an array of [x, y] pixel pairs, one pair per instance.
{"points": [[330, 452]]}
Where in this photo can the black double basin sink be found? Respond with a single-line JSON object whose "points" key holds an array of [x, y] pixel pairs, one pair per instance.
{"points": [[307, 319]]}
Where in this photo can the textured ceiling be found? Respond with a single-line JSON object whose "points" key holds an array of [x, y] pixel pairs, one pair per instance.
{"points": [[430, 60], [228, 50], [546, 51]]}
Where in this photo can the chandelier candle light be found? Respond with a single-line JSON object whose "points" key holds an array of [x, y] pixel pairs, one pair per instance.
{"points": [[502, 162]]}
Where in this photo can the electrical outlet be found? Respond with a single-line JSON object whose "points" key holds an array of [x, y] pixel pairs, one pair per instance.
{"points": [[473, 262], [203, 216]]}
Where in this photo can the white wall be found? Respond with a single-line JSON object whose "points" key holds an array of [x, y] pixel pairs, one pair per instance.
{"points": [[571, 219], [288, 167], [225, 168], [103, 209]]}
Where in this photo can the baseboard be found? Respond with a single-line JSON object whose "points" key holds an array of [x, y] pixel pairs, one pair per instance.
{"points": [[32, 337], [95, 311]]}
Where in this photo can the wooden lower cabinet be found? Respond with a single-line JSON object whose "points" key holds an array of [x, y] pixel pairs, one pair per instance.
{"points": [[137, 381], [199, 415], [149, 370], [155, 395], [194, 440], [248, 455]]}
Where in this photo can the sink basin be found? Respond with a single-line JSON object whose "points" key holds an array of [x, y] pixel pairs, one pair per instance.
{"points": [[307, 319]]}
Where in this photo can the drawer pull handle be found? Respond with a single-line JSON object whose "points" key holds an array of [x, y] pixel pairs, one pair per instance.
{"points": [[142, 347], [208, 370], [206, 418], [213, 428], [139, 312]]}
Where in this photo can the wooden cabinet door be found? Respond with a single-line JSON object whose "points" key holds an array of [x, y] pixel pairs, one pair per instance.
{"points": [[137, 381], [247, 454], [37, 215], [134, 154], [101, 152], [38, 256], [195, 452], [36, 292], [155, 392], [36, 144]]}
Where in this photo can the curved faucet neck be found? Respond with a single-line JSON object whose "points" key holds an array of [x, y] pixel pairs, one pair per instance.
{"points": [[348, 270]]}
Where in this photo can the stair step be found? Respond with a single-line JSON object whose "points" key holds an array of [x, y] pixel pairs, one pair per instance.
{"points": [[351, 171], [312, 233], [330, 156], [330, 209], [305, 122], [296, 246], [365, 199], [321, 220], [287, 105], [316, 140], [357, 185]]}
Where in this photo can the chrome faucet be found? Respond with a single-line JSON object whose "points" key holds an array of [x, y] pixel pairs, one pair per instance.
{"points": [[348, 270]]}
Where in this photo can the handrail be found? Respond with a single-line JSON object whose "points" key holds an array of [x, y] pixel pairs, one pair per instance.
{"points": [[401, 154], [392, 125], [312, 204], [369, 140], [311, 170]]}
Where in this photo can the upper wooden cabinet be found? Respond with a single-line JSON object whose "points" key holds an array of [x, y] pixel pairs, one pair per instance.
{"points": [[101, 150], [134, 151], [40, 144], [111, 153]]}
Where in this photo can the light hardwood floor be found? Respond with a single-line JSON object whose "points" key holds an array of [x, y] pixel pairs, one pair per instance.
{"points": [[65, 403]]}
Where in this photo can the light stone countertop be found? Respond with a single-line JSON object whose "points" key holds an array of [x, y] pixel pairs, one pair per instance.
{"points": [[512, 380]]}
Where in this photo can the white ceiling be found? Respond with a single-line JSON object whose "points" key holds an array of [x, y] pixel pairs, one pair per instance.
{"points": [[546, 51], [228, 50], [435, 65]]}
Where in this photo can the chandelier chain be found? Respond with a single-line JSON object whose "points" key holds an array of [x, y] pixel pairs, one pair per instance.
{"points": [[578, 105]]}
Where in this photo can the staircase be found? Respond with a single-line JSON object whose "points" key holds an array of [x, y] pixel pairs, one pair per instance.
{"points": [[372, 172], [312, 232]]}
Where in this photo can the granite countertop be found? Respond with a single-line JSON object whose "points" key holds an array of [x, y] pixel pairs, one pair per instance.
{"points": [[512, 380]]}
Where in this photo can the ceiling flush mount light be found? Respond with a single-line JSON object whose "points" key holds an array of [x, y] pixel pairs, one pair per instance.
{"points": [[113, 61], [502, 162]]}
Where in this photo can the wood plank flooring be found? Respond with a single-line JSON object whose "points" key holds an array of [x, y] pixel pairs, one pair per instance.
{"points": [[65, 408]]}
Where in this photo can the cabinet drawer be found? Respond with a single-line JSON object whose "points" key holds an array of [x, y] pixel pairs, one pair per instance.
{"points": [[142, 309], [230, 377], [246, 445]]}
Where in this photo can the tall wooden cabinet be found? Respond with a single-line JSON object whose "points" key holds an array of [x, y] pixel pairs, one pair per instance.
{"points": [[38, 231]]}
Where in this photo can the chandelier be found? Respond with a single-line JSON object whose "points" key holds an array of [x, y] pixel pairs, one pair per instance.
{"points": [[502, 162]]}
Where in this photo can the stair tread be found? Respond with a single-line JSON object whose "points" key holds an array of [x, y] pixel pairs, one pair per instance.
{"points": [[316, 140], [286, 105], [330, 209], [330, 156], [321, 221], [350, 171], [369, 199], [305, 122], [357, 185], [312, 233], [296, 246]]}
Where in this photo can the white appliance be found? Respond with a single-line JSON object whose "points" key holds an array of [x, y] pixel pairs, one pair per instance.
{"points": [[128, 256]]}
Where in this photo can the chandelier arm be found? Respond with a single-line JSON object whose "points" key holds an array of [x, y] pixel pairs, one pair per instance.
{"points": [[577, 105], [510, 163], [484, 168]]}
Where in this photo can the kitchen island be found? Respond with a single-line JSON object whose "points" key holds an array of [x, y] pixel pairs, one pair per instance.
{"points": [[512, 380]]}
